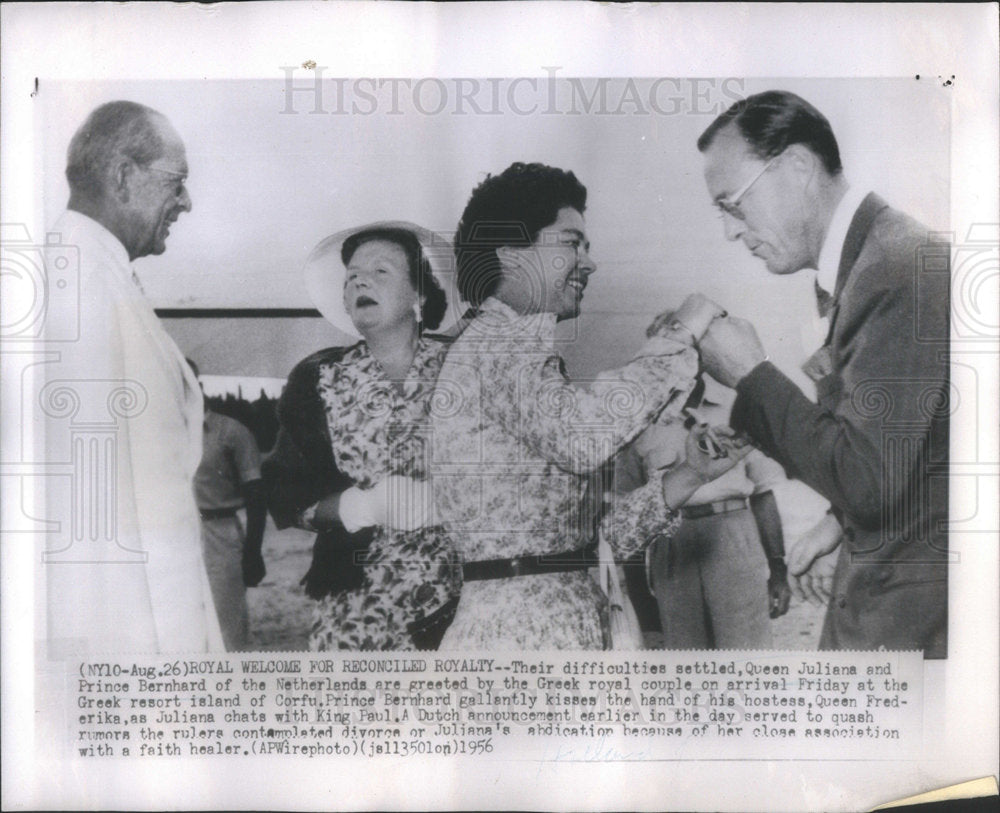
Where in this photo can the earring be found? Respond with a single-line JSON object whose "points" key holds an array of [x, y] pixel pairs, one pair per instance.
{"points": [[416, 311]]}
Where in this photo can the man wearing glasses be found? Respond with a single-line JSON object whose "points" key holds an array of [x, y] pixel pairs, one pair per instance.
{"points": [[125, 572], [876, 443]]}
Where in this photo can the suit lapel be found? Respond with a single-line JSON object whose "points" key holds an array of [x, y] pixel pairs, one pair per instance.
{"points": [[861, 224]]}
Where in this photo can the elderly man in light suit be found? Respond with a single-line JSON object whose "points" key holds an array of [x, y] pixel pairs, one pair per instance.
{"points": [[876, 443], [126, 574]]}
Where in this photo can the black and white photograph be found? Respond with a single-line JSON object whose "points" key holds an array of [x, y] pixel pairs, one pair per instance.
{"points": [[599, 419]]}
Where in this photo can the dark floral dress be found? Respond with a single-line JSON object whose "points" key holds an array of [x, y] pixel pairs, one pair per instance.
{"points": [[345, 423]]}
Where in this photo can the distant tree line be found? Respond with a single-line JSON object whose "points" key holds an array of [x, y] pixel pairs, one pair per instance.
{"points": [[260, 416]]}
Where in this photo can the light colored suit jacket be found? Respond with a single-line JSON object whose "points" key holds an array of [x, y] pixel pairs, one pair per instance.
{"points": [[123, 416]]}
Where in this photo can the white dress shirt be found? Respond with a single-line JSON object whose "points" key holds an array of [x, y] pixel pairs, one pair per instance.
{"points": [[814, 332], [833, 243]]}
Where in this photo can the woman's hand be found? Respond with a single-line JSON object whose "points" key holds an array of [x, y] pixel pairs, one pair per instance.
{"points": [[659, 448], [396, 502], [408, 503], [711, 452], [694, 316], [696, 313]]}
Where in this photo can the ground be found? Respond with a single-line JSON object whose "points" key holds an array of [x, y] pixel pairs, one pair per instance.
{"points": [[280, 612]]}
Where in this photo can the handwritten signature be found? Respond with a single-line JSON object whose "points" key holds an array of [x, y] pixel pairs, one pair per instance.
{"points": [[599, 751]]}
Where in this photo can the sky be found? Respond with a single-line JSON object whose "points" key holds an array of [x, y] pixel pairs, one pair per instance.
{"points": [[277, 164]]}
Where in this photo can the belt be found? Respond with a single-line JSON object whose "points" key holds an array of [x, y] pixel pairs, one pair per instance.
{"points": [[217, 513], [529, 565], [709, 508], [428, 631]]}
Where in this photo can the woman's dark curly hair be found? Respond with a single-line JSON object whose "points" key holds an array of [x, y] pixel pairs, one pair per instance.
{"points": [[435, 303], [509, 209]]}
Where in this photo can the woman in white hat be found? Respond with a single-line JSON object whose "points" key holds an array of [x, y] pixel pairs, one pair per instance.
{"points": [[350, 463]]}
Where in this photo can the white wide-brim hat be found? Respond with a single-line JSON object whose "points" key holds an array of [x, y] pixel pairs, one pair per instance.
{"points": [[324, 270]]}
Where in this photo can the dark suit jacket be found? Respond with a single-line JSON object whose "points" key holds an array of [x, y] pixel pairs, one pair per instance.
{"points": [[301, 471], [876, 444]]}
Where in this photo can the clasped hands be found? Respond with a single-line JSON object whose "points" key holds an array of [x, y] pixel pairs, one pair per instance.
{"points": [[729, 347], [709, 452], [724, 343]]}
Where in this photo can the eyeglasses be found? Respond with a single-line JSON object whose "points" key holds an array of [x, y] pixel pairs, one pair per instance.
{"points": [[731, 205], [172, 173]]}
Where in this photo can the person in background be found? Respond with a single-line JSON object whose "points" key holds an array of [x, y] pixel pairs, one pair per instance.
{"points": [[722, 576], [876, 443], [350, 462], [137, 583], [228, 480]]}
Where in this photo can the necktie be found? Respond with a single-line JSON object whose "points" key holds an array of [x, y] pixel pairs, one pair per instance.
{"points": [[824, 301], [820, 364]]}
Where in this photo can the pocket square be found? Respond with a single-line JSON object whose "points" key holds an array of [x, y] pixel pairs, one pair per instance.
{"points": [[819, 365]]}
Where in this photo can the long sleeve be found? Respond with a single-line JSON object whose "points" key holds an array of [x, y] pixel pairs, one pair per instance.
{"points": [[579, 427], [835, 453], [513, 437], [889, 381], [635, 519], [301, 471]]}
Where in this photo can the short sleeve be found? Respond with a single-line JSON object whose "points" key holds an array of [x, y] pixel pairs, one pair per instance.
{"points": [[246, 456]]}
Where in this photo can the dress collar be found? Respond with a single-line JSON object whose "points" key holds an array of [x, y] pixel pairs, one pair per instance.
{"points": [[425, 355], [498, 319]]}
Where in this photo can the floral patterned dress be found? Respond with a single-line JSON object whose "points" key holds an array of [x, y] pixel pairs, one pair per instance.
{"points": [[374, 428], [513, 443]]}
